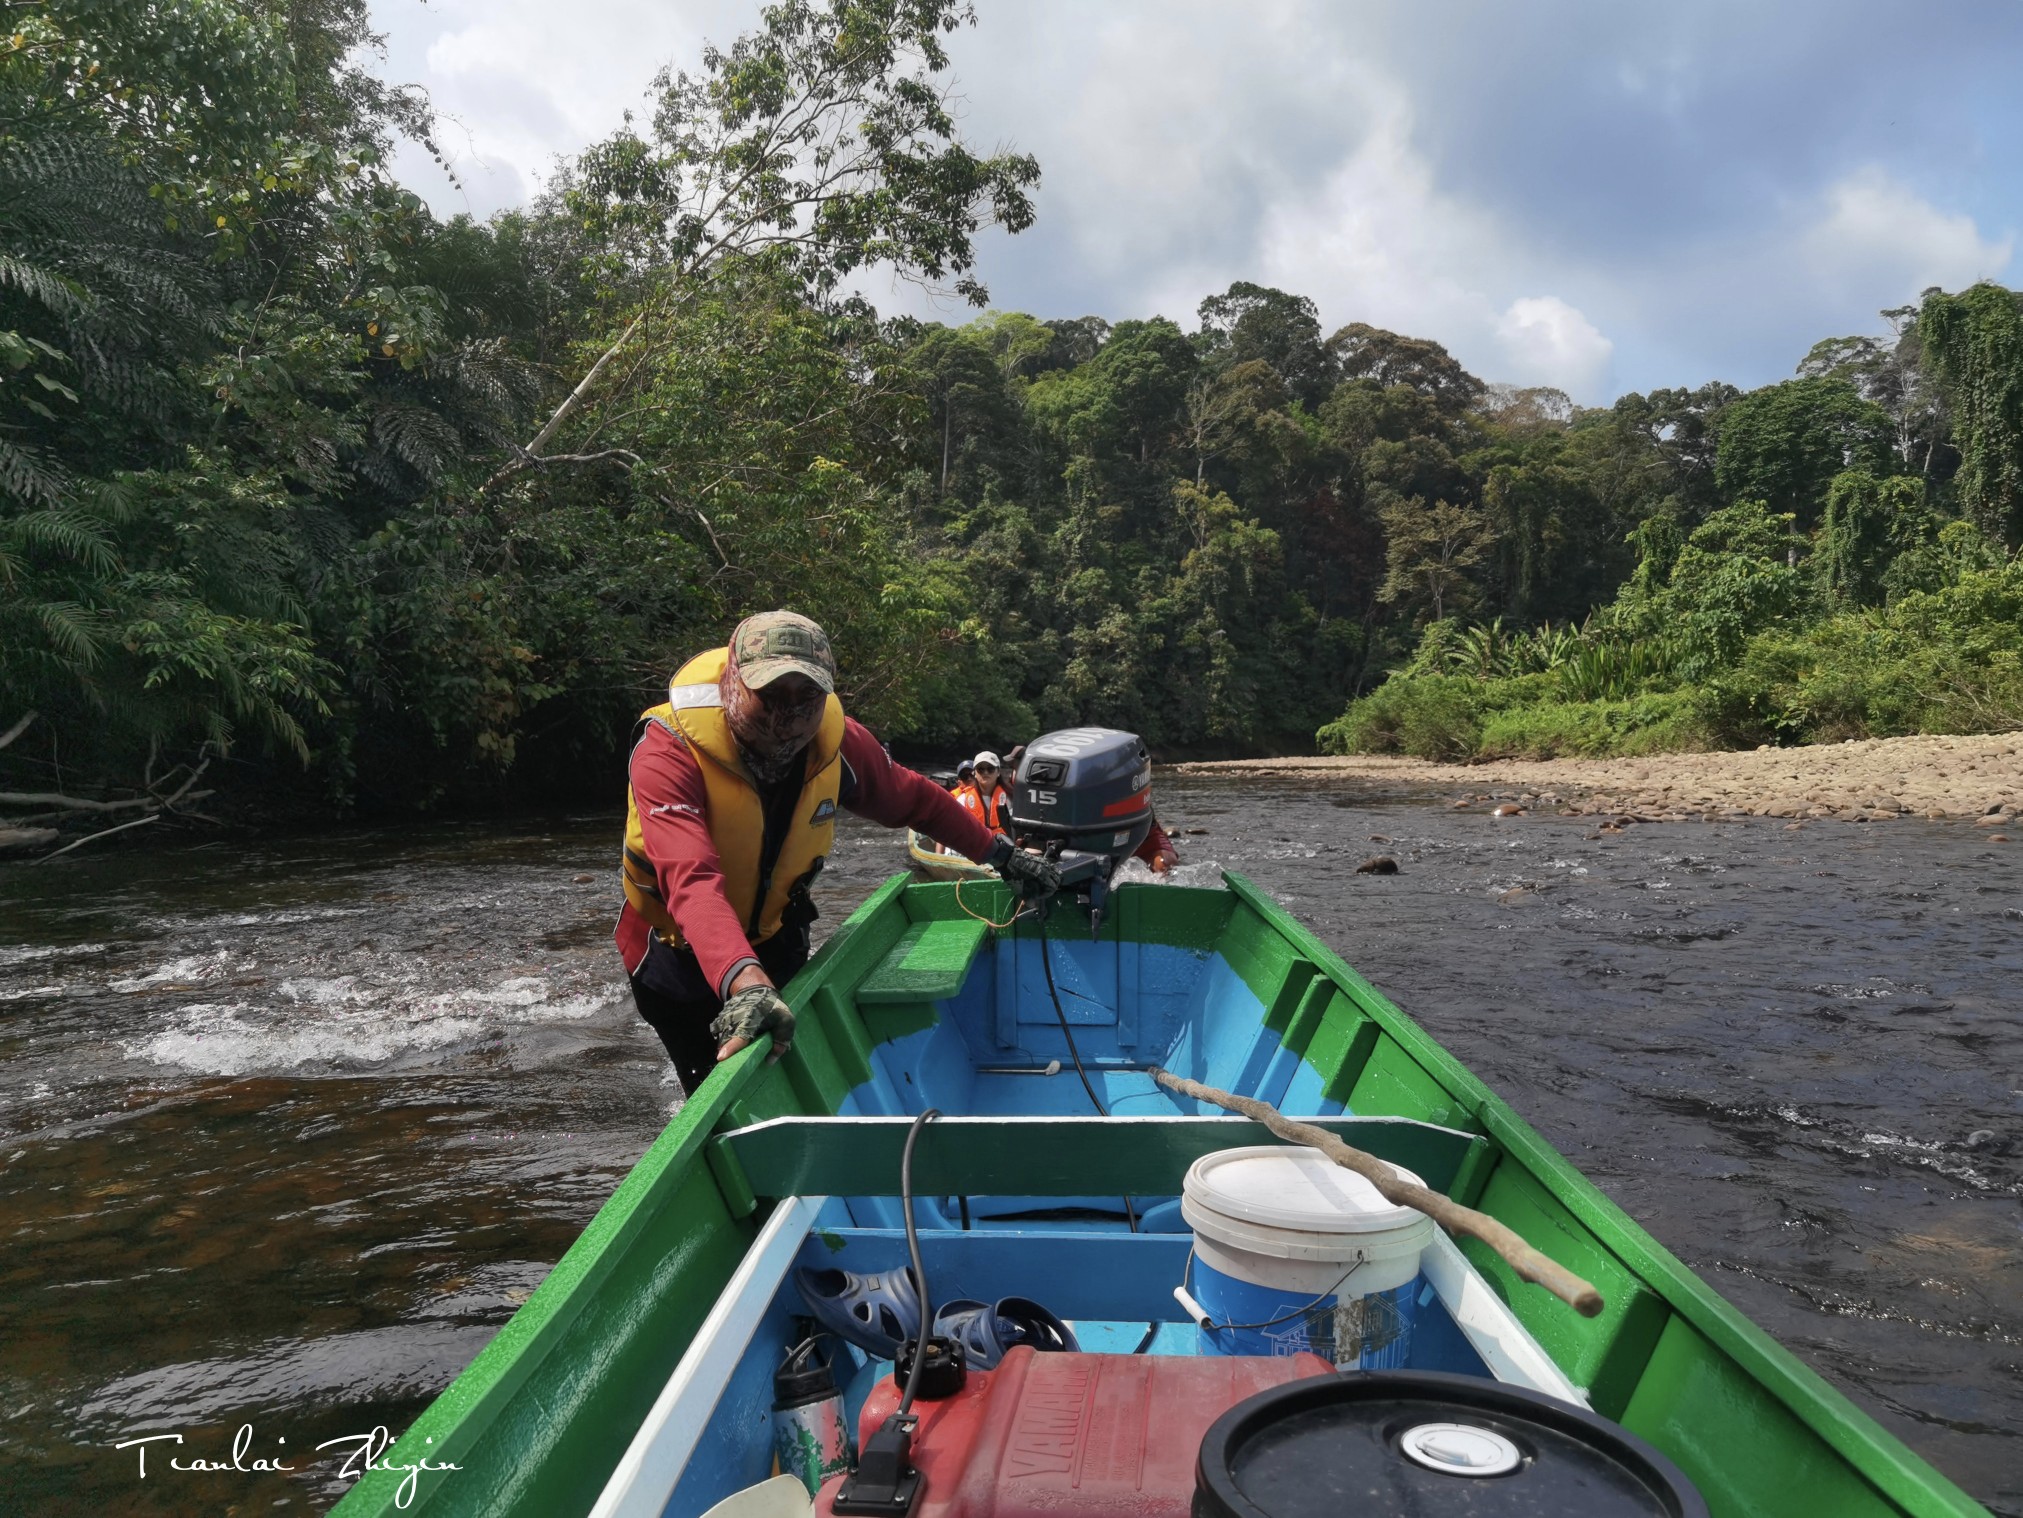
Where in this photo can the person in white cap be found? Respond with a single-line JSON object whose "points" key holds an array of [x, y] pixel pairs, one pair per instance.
{"points": [[985, 795]]}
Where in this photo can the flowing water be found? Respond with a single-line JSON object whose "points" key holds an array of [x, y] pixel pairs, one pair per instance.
{"points": [[288, 1130]]}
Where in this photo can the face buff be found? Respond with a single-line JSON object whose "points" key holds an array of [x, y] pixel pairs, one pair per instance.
{"points": [[770, 733]]}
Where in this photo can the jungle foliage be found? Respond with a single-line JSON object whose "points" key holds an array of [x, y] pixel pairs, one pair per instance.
{"points": [[304, 484], [1845, 567]]}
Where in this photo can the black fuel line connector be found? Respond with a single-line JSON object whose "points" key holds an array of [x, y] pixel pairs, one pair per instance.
{"points": [[885, 1483]]}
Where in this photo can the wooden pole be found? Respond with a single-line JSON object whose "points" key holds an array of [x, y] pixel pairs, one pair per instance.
{"points": [[1529, 1264]]}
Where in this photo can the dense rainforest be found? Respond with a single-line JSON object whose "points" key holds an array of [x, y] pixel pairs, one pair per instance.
{"points": [[313, 498]]}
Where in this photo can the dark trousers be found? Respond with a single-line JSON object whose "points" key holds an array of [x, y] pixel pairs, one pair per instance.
{"points": [[679, 1003]]}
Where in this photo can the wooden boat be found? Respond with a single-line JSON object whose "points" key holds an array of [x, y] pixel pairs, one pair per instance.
{"points": [[638, 1378], [930, 861]]}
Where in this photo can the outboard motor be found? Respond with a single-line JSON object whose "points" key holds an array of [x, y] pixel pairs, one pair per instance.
{"points": [[1084, 795]]}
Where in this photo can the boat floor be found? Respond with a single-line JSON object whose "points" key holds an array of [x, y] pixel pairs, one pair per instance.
{"points": [[1114, 1287]]}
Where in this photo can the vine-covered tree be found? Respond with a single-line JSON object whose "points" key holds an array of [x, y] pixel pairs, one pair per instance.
{"points": [[1974, 343]]}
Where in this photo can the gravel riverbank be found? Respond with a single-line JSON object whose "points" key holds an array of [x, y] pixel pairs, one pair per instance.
{"points": [[1978, 777]]}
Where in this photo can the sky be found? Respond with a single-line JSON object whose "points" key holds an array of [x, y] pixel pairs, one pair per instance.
{"points": [[1583, 193]]}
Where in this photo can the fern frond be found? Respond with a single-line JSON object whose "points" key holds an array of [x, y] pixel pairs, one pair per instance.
{"points": [[74, 630], [66, 531], [27, 476], [419, 437], [46, 287]]}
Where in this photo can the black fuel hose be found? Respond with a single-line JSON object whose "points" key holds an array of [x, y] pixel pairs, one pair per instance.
{"points": [[913, 1251]]}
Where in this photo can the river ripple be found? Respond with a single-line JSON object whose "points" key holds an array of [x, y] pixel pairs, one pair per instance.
{"points": [[289, 1129]]}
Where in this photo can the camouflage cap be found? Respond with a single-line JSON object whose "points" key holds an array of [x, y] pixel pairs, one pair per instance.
{"points": [[770, 644]]}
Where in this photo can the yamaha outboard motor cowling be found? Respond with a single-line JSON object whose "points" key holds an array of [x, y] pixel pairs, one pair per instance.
{"points": [[1084, 795], [1089, 788]]}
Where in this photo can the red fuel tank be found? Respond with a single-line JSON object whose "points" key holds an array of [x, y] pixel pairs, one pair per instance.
{"points": [[1057, 1435]]}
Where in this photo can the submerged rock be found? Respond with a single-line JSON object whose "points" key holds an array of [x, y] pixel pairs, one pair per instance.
{"points": [[1382, 864]]}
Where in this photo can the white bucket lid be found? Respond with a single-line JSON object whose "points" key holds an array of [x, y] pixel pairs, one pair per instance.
{"points": [[1283, 1186]]}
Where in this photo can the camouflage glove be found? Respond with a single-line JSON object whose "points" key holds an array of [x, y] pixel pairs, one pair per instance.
{"points": [[751, 1012], [1030, 875]]}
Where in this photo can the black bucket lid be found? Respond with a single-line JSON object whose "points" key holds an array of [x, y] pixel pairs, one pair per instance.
{"points": [[1428, 1444]]}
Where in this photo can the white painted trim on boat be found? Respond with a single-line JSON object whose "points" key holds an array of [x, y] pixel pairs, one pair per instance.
{"points": [[1033, 1120], [1506, 1345], [644, 1479]]}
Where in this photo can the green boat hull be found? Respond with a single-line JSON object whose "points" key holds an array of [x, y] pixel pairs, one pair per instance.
{"points": [[540, 1419]]}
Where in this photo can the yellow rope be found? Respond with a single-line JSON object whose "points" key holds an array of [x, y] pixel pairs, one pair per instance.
{"points": [[1000, 926]]}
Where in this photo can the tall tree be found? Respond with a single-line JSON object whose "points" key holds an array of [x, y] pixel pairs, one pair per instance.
{"points": [[1365, 352], [964, 389], [1784, 444], [823, 142], [1252, 323], [1891, 373], [1431, 552]]}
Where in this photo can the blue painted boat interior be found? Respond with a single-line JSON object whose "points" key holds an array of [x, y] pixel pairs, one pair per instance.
{"points": [[1130, 1005], [1115, 1289]]}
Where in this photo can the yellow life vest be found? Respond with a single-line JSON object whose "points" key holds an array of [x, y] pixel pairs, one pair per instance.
{"points": [[693, 712]]}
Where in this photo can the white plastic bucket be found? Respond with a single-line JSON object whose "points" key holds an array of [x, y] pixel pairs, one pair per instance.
{"points": [[1294, 1253]]}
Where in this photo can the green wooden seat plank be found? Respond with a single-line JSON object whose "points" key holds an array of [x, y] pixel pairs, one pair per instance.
{"points": [[929, 963], [1040, 1156]]}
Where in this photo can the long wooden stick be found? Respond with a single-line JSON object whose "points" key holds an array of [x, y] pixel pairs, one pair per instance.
{"points": [[1529, 1264], [106, 833]]}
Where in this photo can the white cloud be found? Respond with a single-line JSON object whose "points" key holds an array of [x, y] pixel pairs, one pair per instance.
{"points": [[1456, 174], [1547, 342], [1382, 243], [517, 82], [1877, 236]]}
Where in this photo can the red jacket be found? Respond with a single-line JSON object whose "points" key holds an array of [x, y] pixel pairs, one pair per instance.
{"points": [[668, 786], [1157, 843]]}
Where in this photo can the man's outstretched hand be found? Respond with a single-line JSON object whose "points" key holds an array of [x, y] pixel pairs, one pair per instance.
{"points": [[749, 1013], [1030, 875]]}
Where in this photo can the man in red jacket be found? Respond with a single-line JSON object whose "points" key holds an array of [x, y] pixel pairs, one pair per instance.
{"points": [[735, 783]]}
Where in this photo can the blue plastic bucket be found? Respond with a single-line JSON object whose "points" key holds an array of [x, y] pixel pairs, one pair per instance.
{"points": [[1294, 1253]]}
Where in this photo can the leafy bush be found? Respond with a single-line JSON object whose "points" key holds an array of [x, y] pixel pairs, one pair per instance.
{"points": [[1944, 661], [1601, 668], [1668, 722], [1756, 700], [1451, 717], [1428, 716]]}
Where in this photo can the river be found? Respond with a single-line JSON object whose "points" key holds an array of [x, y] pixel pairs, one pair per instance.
{"points": [[290, 1128]]}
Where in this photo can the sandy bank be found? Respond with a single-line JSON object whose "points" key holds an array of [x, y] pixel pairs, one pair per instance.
{"points": [[1978, 777]]}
